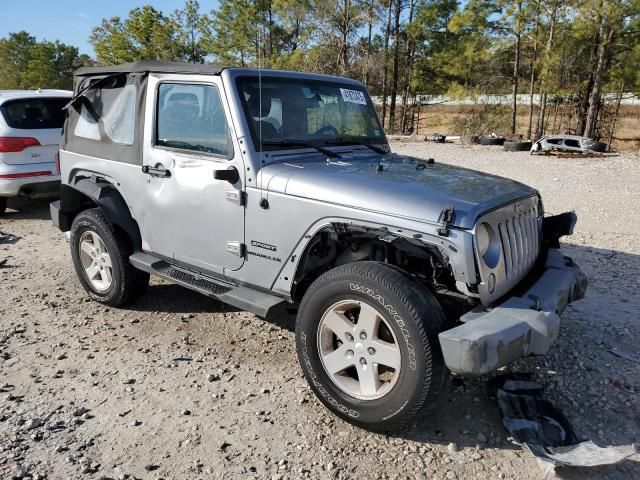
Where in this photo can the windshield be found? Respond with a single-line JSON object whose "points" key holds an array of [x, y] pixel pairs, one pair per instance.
{"points": [[289, 112]]}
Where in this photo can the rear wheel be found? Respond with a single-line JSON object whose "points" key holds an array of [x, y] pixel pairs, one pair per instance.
{"points": [[366, 336], [101, 258], [3, 205]]}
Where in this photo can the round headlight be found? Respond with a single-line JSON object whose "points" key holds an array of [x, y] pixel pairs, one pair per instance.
{"points": [[488, 244], [483, 239]]}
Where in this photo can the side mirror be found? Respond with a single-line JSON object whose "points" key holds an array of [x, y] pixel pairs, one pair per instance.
{"points": [[230, 175]]}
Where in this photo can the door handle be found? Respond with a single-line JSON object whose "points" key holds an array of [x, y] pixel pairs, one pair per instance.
{"points": [[157, 171], [231, 175]]}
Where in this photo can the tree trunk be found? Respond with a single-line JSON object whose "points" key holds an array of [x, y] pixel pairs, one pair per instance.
{"points": [[385, 78], [396, 62], [555, 116], [532, 80], [345, 38], [369, 33], [615, 116], [407, 73], [545, 75], [583, 104], [516, 71], [594, 97], [270, 13]]}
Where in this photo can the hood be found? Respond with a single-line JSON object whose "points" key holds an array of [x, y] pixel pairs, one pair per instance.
{"points": [[403, 186]]}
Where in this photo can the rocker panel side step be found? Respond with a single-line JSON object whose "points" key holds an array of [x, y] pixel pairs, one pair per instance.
{"points": [[258, 303]]}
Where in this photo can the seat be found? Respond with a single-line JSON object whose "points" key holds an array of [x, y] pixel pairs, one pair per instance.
{"points": [[31, 118]]}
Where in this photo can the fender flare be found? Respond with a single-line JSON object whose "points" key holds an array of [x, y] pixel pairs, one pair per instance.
{"points": [[463, 266], [107, 197]]}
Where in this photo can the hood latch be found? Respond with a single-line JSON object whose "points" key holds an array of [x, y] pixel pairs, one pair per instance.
{"points": [[447, 216]]}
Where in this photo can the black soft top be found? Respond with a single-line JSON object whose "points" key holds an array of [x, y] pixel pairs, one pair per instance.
{"points": [[147, 66]]}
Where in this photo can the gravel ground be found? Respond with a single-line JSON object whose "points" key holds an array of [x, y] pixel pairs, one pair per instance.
{"points": [[178, 386]]}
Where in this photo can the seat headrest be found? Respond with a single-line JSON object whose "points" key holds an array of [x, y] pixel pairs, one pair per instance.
{"points": [[259, 105]]}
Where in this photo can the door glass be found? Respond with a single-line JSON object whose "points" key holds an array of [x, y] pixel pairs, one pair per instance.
{"points": [[191, 117]]}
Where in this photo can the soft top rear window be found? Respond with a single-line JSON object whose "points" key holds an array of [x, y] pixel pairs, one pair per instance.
{"points": [[34, 113]]}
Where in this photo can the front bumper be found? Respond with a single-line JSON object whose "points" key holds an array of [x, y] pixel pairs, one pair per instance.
{"points": [[521, 326]]}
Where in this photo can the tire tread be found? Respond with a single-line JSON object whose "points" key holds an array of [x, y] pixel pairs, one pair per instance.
{"points": [[131, 282], [425, 312]]}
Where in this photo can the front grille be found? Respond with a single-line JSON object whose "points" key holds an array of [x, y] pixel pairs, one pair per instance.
{"points": [[520, 239], [518, 228]]}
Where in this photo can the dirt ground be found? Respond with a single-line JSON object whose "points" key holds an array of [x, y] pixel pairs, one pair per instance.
{"points": [[179, 386]]}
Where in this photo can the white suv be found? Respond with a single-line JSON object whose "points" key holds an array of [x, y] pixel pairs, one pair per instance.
{"points": [[30, 127]]}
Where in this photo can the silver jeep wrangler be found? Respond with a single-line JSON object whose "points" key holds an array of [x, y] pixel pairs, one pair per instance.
{"points": [[267, 189]]}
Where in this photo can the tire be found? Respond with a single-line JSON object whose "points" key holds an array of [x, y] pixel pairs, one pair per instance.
{"points": [[3, 205], [94, 240], [469, 139], [600, 147], [491, 141], [408, 315], [517, 146]]}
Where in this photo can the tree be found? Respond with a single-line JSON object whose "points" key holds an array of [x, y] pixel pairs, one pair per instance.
{"points": [[611, 19], [237, 34], [398, 6], [552, 14], [513, 23], [146, 34], [192, 28], [28, 64], [571, 52], [340, 22], [296, 21]]}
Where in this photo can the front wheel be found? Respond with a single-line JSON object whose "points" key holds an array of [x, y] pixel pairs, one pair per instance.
{"points": [[366, 335], [3, 205]]}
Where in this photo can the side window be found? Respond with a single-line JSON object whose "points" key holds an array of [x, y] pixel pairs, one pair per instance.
{"points": [[191, 117], [115, 107]]}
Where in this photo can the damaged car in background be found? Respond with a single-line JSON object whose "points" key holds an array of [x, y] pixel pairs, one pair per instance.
{"points": [[567, 143], [268, 189]]}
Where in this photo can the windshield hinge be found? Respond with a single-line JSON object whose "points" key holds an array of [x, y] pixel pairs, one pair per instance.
{"points": [[235, 196], [446, 218], [236, 248]]}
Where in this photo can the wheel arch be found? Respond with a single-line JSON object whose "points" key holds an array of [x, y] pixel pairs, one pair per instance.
{"points": [[333, 244], [91, 192]]}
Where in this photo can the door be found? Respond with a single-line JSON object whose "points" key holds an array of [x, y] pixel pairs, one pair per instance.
{"points": [[192, 207]]}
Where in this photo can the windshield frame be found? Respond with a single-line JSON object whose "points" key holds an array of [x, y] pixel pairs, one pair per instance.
{"points": [[335, 83]]}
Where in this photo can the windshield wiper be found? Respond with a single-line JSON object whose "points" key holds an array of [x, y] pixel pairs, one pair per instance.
{"points": [[300, 143], [353, 141]]}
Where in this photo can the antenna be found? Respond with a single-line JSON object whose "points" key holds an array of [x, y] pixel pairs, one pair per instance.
{"points": [[260, 86]]}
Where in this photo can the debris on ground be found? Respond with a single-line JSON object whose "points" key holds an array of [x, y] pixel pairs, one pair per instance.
{"points": [[8, 238], [567, 144], [538, 426], [626, 355]]}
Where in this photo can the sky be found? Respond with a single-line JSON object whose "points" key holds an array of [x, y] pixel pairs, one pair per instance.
{"points": [[71, 21]]}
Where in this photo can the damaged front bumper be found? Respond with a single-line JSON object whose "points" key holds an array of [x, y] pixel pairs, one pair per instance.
{"points": [[521, 326]]}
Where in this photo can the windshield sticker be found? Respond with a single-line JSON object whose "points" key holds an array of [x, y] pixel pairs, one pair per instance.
{"points": [[353, 96]]}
